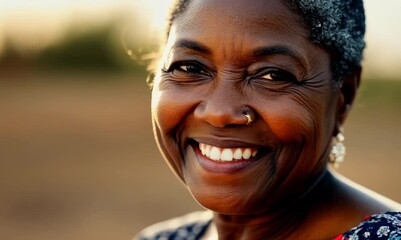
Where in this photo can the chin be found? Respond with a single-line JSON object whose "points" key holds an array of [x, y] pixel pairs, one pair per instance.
{"points": [[223, 205], [230, 201]]}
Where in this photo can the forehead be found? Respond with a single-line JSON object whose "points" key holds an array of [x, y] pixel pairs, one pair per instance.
{"points": [[237, 15], [236, 27]]}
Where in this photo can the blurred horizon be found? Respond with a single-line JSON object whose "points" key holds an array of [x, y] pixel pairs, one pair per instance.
{"points": [[27, 29]]}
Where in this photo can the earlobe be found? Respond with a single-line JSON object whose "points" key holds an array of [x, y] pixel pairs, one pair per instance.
{"points": [[348, 92]]}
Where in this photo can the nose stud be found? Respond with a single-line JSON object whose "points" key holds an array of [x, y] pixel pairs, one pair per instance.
{"points": [[249, 117]]}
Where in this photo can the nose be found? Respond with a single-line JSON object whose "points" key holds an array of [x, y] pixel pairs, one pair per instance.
{"points": [[224, 106]]}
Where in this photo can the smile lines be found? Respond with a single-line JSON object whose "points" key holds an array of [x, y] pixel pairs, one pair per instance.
{"points": [[227, 154]]}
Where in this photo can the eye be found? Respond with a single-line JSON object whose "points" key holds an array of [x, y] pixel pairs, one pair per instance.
{"points": [[276, 75], [192, 68]]}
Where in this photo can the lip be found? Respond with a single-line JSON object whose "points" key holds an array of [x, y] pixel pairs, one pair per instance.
{"points": [[228, 167]]}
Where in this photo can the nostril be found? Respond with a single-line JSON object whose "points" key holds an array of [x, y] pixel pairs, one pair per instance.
{"points": [[219, 115]]}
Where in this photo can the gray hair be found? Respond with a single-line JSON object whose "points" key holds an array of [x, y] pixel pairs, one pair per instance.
{"points": [[338, 26]]}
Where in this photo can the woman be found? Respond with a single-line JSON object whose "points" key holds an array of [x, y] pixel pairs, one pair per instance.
{"points": [[248, 103]]}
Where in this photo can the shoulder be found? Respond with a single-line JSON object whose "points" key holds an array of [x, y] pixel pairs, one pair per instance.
{"points": [[361, 200], [190, 226], [377, 226]]}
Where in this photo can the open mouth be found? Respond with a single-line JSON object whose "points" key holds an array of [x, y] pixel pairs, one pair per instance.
{"points": [[229, 157], [229, 154]]}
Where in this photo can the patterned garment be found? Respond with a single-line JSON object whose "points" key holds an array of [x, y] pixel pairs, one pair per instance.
{"points": [[377, 226], [385, 226], [188, 227], [186, 232]]}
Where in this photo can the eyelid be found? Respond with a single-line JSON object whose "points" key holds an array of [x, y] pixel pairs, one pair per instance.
{"points": [[176, 66], [270, 70]]}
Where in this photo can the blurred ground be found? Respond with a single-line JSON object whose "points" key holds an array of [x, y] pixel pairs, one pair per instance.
{"points": [[78, 160]]}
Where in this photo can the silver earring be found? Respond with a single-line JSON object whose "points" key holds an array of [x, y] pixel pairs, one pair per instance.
{"points": [[337, 152], [249, 117]]}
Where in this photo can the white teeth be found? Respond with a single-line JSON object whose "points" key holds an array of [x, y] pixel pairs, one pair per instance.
{"points": [[202, 148], [215, 153], [226, 154], [247, 153], [238, 154], [207, 150]]}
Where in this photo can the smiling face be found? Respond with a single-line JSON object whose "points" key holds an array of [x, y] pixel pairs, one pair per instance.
{"points": [[229, 57]]}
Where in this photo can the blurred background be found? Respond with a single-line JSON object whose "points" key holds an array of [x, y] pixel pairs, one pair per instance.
{"points": [[77, 155]]}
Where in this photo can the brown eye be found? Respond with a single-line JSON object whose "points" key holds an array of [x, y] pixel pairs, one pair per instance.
{"points": [[276, 75], [190, 68]]}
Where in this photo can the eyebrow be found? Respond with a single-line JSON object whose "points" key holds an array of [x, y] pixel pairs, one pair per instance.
{"points": [[257, 53], [184, 43], [274, 50]]}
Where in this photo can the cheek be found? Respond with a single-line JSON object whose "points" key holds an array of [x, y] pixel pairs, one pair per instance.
{"points": [[165, 115], [170, 107], [307, 122], [289, 122], [164, 110]]}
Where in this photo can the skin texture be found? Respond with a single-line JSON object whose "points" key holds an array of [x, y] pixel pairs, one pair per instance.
{"points": [[220, 62]]}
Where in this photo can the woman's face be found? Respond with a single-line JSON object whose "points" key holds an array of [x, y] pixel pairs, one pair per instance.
{"points": [[227, 57]]}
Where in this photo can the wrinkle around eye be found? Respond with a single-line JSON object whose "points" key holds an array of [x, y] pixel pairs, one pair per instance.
{"points": [[187, 71], [180, 78], [270, 85]]}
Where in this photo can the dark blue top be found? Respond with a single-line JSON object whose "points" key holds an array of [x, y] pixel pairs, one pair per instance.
{"points": [[378, 226]]}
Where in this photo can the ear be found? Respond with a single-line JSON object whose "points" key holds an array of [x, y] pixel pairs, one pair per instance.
{"points": [[347, 95]]}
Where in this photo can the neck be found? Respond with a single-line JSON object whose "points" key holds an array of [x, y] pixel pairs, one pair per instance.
{"points": [[281, 223]]}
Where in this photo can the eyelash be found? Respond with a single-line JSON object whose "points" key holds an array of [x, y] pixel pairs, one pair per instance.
{"points": [[276, 75], [200, 69]]}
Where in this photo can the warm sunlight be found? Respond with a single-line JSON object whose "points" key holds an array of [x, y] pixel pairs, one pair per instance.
{"points": [[87, 85], [45, 21]]}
